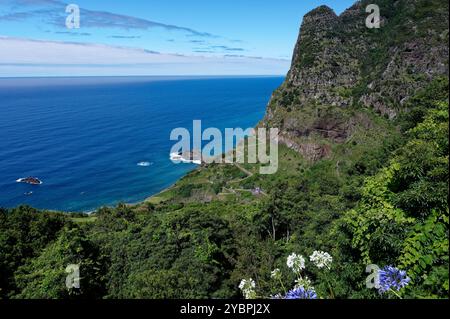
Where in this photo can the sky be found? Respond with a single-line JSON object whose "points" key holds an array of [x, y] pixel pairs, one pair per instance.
{"points": [[152, 37]]}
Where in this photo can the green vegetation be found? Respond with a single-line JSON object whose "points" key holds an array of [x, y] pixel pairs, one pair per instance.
{"points": [[380, 199]]}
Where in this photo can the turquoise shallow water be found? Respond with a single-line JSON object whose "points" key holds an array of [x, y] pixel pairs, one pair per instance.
{"points": [[84, 137]]}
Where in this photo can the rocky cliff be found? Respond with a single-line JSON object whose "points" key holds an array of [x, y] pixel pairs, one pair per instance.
{"points": [[341, 68]]}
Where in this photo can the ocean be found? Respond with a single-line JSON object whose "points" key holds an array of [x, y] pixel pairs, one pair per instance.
{"points": [[101, 141]]}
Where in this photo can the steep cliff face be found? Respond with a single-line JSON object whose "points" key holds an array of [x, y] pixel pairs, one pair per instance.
{"points": [[340, 69]]}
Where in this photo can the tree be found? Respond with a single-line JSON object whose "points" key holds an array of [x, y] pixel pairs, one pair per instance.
{"points": [[44, 277]]}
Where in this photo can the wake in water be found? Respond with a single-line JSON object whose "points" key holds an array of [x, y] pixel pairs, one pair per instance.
{"points": [[178, 158], [144, 164]]}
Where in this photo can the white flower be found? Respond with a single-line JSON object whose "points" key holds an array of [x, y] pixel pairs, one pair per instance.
{"points": [[276, 274], [305, 282], [248, 288], [296, 262], [321, 259]]}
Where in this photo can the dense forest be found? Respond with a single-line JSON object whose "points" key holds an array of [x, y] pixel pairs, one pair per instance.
{"points": [[374, 191]]}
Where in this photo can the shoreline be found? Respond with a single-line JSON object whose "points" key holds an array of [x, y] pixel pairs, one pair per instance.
{"points": [[93, 211], [147, 199]]}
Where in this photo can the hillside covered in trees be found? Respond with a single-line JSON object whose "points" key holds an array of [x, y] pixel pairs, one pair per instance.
{"points": [[363, 175]]}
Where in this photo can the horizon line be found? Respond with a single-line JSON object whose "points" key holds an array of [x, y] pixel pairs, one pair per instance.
{"points": [[143, 76]]}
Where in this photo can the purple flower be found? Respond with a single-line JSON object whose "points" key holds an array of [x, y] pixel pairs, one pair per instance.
{"points": [[301, 293], [392, 278]]}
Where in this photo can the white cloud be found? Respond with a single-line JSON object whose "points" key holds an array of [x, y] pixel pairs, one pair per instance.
{"points": [[25, 57]]}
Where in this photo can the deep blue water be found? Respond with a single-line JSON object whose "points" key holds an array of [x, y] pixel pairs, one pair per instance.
{"points": [[84, 137]]}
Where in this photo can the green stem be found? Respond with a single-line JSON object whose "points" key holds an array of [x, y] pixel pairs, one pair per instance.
{"points": [[331, 290], [395, 293], [329, 286], [282, 286]]}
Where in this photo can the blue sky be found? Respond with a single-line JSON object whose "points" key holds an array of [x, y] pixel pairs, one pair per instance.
{"points": [[152, 37]]}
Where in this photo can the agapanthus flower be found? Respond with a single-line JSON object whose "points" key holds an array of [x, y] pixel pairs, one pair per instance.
{"points": [[392, 278], [296, 262], [248, 288], [276, 274], [321, 259], [301, 293], [304, 282]]}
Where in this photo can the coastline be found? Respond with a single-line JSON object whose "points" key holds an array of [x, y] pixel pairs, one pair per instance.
{"points": [[122, 182]]}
